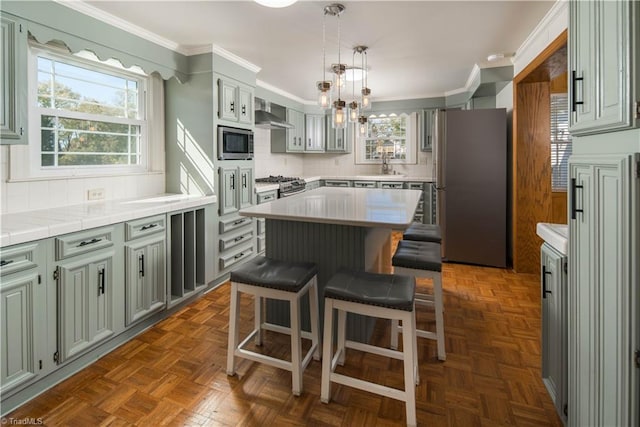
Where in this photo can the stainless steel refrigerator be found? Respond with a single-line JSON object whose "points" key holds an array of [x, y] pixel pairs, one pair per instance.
{"points": [[470, 164]]}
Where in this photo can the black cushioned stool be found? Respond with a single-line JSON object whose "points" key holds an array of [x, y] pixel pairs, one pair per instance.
{"points": [[422, 259], [386, 296], [423, 233], [281, 280]]}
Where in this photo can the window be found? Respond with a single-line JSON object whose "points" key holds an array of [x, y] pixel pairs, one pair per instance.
{"points": [[389, 136], [560, 141], [89, 115]]}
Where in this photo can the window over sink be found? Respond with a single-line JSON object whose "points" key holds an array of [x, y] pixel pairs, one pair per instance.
{"points": [[389, 136]]}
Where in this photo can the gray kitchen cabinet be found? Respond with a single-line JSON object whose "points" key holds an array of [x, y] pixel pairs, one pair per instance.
{"points": [[145, 267], [364, 184], [419, 215], [430, 204], [245, 184], [13, 114], [23, 304], [391, 184], [604, 284], [314, 133], [295, 135], [89, 266], [263, 197], [339, 140], [312, 185], [603, 57], [337, 183], [235, 101], [427, 129], [553, 277], [228, 196], [187, 253]]}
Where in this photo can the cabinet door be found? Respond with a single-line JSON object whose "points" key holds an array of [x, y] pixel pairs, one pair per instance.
{"points": [[229, 190], [428, 129], [602, 283], [13, 106], [227, 103], [145, 286], [295, 135], [17, 293], [314, 139], [246, 187], [554, 326], [245, 99], [135, 304], [85, 303]]}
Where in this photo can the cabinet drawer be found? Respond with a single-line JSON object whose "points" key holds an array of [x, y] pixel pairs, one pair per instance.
{"points": [[16, 259], [262, 226], [83, 242], [420, 207], [234, 224], [145, 226], [415, 185], [418, 218], [267, 196], [396, 185], [229, 260], [337, 183], [235, 240], [364, 184]]}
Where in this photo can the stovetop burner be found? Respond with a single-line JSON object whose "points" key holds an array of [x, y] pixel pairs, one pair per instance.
{"points": [[277, 179]]}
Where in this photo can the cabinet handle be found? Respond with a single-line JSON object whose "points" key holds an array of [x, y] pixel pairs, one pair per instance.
{"points": [[244, 181], [244, 110], [232, 107], [574, 188], [238, 222], [544, 282], [233, 182], [101, 282], [237, 239], [5, 262], [239, 255], [141, 265], [574, 80], [88, 242], [147, 227]]}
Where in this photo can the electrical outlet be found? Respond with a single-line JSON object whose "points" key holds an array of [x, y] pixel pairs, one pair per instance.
{"points": [[95, 194]]}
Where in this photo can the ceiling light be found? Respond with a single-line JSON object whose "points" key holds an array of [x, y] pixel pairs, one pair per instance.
{"points": [[324, 86], [338, 112], [276, 3], [354, 74]]}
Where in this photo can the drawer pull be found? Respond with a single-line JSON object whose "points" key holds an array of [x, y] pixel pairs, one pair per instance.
{"points": [[240, 255], [544, 282], [238, 222], [237, 239], [88, 242], [147, 227], [5, 262]]}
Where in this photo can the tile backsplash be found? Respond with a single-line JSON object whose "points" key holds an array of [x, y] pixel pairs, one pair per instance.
{"points": [[38, 194]]}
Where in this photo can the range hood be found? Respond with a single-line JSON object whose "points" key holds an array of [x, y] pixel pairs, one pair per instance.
{"points": [[265, 119]]}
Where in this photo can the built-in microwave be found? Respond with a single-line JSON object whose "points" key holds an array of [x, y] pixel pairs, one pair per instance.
{"points": [[234, 143]]}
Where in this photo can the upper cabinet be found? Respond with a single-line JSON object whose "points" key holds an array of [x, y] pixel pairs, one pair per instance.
{"points": [[235, 102], [428, 129], [295, 135], [339, 140], [315, 135], [603, 75], [13, 108]]}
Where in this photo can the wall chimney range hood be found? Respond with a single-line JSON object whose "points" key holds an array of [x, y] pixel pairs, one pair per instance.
{"points": [[265, 119]]}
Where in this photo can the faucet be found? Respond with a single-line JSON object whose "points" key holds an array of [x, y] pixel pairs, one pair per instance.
{"points": [[386, 167]]}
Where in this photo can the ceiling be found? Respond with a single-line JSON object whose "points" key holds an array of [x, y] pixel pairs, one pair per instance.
{"points": [[416, 48]]}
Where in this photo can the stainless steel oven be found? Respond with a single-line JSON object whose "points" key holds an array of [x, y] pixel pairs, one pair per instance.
{"points": [[235, 143]]}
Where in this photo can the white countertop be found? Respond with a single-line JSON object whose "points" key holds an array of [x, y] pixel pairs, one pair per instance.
{"points": [[555, 235], [39, 224], [364, 207], [263, 187]]}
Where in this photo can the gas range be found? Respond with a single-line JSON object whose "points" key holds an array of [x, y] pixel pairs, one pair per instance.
{"points": [[287, 186]]}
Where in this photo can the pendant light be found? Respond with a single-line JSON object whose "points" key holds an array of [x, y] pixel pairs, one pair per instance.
{"points": [[365, 103], [362, 125], [354, 110], [324, 86], [338, 112]]}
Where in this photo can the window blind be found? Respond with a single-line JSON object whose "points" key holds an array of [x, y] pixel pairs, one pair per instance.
{"points": [[560, 141]]}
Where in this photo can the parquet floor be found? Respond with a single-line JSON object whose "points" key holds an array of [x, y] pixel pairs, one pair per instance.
{"points": [[174, 373]]}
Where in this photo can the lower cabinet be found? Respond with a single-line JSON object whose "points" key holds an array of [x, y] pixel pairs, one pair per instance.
{"points": [[261, 224], [553, 277], [145, 267], [21, 321]]}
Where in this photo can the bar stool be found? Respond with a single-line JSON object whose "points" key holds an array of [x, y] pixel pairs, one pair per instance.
{"points": [[422, 259], [385, 296], [282, 280], [423, 233]]}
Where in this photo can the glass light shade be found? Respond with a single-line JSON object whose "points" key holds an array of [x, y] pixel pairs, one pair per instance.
{"points": [[324, 94], [276, 3], [339, 80], [338, 114], [366, 98], [362, 125], [354, 112]]}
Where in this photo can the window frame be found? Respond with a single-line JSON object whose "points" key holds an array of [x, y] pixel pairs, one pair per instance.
{"points": [[410, 138], [35, 113], [563, 167]]}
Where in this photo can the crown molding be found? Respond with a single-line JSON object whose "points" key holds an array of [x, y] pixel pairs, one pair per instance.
{"points": [[281, 92], [197, 50], [235, 58], [558, 8]]}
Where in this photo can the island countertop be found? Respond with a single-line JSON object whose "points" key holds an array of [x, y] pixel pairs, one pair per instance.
{"points": [[364, 207]]}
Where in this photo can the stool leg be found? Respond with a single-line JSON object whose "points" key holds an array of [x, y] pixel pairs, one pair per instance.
{"points": [[313, 302], [394, 334], [257, 318], [342, 331], [408, 346], [327, 350], [296, 347], [234, 331], [415, 347], [437, 292]]}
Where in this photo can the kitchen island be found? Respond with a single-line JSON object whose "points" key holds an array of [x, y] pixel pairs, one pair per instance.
{"points": [[335, 227]]}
